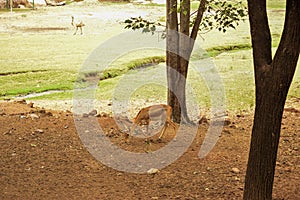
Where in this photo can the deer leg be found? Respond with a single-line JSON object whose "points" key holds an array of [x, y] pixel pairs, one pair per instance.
{"points": [[132, 129], [75, 30], [173, 125], [127, 138], [147, 129], [165, 127], [81, 30], [163, 130]]}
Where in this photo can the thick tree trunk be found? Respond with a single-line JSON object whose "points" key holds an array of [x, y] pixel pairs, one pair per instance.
{"points": [[273, 79]]}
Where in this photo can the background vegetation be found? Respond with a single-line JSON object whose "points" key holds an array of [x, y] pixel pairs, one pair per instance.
{"points": [[35, 61]]}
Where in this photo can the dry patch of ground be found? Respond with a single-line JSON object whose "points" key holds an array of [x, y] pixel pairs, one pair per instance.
{"points": [[42, 157]]}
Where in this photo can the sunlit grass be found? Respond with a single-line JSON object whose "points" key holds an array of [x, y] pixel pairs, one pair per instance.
{"points": [[275, 4], [34, 63]]}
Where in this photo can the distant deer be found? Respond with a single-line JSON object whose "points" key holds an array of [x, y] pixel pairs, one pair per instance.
{"points": [[77, 24], [156, 112]]}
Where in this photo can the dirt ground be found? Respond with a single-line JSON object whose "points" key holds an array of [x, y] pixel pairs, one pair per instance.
{"points": [[42, 157]]}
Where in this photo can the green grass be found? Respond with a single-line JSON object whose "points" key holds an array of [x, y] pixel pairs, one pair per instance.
{"points": [[122, 68], [25, 10], [214, 51], [25, 83], [41, 62], [276, 4], [271, 4]]}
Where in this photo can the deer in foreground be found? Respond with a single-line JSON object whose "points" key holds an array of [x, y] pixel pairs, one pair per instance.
{"points": [[154, 113], [77, 24]]}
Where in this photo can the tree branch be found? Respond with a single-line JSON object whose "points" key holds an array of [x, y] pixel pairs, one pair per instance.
{"points": [[201, 10], [289, 46], [260, 33]]}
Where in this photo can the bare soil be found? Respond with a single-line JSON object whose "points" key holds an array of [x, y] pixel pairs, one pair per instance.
{"points": [[42, 157]]}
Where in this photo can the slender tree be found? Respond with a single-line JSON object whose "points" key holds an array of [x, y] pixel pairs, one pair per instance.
{"points": [[179, 49], [273, 77], [182, 28]]}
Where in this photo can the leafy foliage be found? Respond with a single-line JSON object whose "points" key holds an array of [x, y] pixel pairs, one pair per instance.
{"points": [[135, 23], [220, 15]]}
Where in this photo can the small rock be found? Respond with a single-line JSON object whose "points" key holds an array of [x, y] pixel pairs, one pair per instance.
{"points": [[33, 145], [227, 121], [209, 169], [233, 126], [39, 131], [97, 115], [34, 116], [235, 170], [85, 115], [93, 113], [49, 114], [28, 169], [43, 111], [30, 105], [203, 120], [21, 6], [278, 163], [153, 171], [22, 101], [8, 132], [103, 114]]}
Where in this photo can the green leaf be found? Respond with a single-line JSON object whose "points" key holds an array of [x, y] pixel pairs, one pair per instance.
{"points": [[128, 21]]}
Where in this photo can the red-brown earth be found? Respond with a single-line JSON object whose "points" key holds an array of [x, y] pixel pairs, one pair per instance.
{"points": [[42, 157]]}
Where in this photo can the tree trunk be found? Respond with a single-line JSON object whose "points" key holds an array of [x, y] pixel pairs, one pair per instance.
{"points": [[272, 79], [178, 53], [172, 58], [184, 56]]}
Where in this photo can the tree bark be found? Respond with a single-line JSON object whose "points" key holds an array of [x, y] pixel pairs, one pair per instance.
{"points": [[273, 79], [177, 63], [172, 59], [184, 56], [198, 20]]}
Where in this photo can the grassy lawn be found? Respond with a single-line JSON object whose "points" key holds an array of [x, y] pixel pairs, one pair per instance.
{"points": [[39, 62]]}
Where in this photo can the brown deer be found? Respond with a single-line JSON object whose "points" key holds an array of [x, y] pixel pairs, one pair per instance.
{"points": [[77, 24], [154, 113]]}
